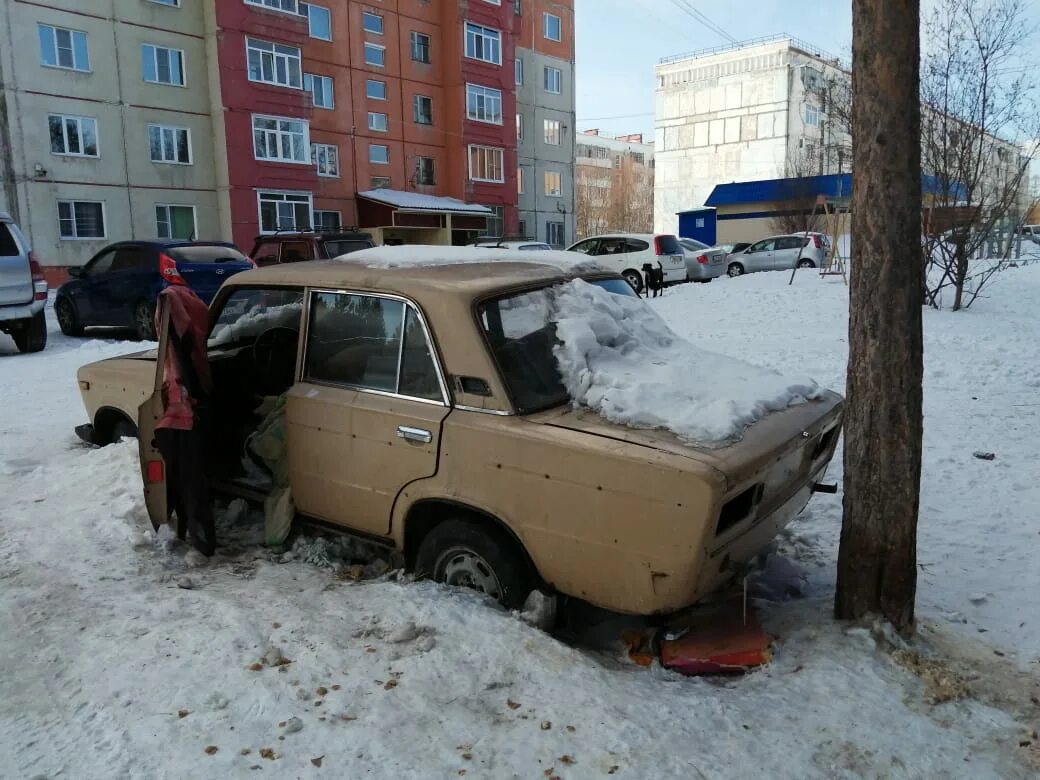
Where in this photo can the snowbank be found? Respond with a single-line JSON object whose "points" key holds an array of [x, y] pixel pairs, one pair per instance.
{"points": [[412, 256], [618, 357]]}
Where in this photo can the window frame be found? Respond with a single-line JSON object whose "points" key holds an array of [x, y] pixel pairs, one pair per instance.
{"points": [[376, 47], [386, 122], [419, 160], [557, 132], [167, 3], [53, 28], [287, 160], [162, 143], [414, 45], [73, 202], [314, 78], [518, 72], [545, 184], [275, 56], [546, 16], [156, 48], [548, 69], [310, 23], [275, 5], [480, 33], [484, 94], [295, 193], [519, 127], [169, 218], [65, 135], [562, 226], [316, 212], [315, 148], [379, 146], [366, 15], [368, 83], [469, 162], [416, 98], [445, 400]]}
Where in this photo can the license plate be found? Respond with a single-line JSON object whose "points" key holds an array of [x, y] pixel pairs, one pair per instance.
{"points": [[716, 260]]}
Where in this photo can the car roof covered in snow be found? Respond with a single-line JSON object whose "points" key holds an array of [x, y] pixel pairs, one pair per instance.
{"points": [[420, 271]]}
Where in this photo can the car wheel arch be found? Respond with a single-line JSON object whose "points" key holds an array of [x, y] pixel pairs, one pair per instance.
{"points": [[426, 514], [106, 419]]}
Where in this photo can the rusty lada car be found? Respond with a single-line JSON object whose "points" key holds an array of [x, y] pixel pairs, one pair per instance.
{"points": [[418, 415]]}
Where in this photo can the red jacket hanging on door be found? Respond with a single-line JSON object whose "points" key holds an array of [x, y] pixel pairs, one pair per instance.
{"points": [[186, 374]]}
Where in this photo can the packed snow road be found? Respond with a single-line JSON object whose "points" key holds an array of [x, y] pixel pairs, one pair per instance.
{"points": [[109, 669]]}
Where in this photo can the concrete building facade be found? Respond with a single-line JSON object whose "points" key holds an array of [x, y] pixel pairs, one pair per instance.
{"points": [[545, 123], [614, 183]]}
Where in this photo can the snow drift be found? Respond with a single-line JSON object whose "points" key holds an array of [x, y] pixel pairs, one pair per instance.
{"points": [[619, 358]]}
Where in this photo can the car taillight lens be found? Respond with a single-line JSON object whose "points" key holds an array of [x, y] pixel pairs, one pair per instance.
{"points": [[168, 270], [657, 246], [155, 472], [702, 259], [817, 242], [39, 280]]}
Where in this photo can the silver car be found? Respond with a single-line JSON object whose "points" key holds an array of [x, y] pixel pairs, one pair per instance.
{"points": [[781, 253], [703, 262], [23, 289]]}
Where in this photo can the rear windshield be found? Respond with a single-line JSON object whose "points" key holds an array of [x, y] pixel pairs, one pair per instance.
{"points": [[344, 246], [8, 246], [206, 254], [536, 246], [668, 245], [692, 243]]}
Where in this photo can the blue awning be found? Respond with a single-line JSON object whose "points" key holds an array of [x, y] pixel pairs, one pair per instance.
{"points": [[834, 185]]}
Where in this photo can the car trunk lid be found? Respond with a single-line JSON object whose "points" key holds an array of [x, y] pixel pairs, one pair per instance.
{"points": [[16, 283], [204, 267]]}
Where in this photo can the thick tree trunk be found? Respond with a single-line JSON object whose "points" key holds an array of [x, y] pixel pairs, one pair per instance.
{"points": [[877, 566]]}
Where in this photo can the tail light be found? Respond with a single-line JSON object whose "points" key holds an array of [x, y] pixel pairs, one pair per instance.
{"points": [[168, 270], [657, 246], [155, 472], [39, 280], [702, 259], [817, 242]]}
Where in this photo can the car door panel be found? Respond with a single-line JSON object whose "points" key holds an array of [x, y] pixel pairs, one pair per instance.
{"points": [[760, 256], [153, 466]]}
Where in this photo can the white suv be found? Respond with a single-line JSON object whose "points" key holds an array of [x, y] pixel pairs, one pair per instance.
{"points": [[628, 252]]}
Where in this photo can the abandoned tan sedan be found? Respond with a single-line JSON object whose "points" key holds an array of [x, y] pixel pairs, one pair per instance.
{"points": [[417, 414]]}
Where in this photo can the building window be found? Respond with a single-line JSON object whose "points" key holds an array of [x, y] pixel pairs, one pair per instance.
{"points": [[284, 211], [552, 80], [424, 171], [486, 164], [519, 127], [168, 144], [375, 55], [812, 115], [175, 221], [319, 21], [484, 104], [552, 132], [379, 182], [321, 89], [638, 158], [553, 184], [273, 63], [289, 6], [377, 122], [280, 140], [326, 159], [522, 228], [171, 3], [554, 233], [160, 65], [518, 71], [81, 219], [61, 48], [422, 110], [376, 90], [519, 181], [483, 43], [75, 136], [327, 221], [552, 27], [495, 223], [420, 47], [379, 154], [372, 23]]}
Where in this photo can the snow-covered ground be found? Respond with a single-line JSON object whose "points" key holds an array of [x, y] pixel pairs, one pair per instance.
{"points": [[109, 669]]}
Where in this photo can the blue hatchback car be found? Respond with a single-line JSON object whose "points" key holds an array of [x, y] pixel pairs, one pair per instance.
{"points": [[121, 283]]}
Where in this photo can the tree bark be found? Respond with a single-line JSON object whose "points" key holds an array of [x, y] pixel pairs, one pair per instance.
{"points": [[877, 559]]}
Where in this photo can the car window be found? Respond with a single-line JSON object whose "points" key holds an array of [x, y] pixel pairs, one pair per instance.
{"points": [[694, 244], [206, 253], [343, 246], [636, 245], [248, 312], [297, 251], [134, 258], [356, 340], [266, 253], [612, 246], [536, 247], [8, 245], [668, 245], [102, 263], [586, 247], [762, 246], [789, 242]]}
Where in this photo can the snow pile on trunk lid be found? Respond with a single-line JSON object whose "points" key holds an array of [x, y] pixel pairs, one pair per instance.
{"points": [[411, 256], [619, 358]]}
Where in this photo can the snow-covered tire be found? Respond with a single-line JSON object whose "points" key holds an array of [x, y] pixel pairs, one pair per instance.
{"points": [[32, 336], [476, 555]]}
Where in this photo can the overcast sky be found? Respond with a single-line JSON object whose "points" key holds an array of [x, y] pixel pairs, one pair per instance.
{"points": [[620, 41]]}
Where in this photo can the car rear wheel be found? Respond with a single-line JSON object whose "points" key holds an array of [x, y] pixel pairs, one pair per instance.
{"points": [[32, 336], [68, 317], [735, 269], [144, 321], [478, 556], [806, 263], [635, 279]]}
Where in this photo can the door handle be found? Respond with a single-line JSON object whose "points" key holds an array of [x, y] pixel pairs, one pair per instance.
{"points": [[414, 434]]}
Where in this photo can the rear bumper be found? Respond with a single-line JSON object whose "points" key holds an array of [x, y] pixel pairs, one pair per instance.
{"points": [[21, 312], [672, 275], [697, 272]]}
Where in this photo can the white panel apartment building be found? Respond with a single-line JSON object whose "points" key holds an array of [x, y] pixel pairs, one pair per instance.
{"points": [[739, 113]]}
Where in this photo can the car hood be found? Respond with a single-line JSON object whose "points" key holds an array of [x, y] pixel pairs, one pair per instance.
{"points": [[761, 444]]}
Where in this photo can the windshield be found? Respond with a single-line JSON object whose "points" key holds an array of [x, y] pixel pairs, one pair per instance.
{"points": [[248, 312], [522, 334], [692, 243]]}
